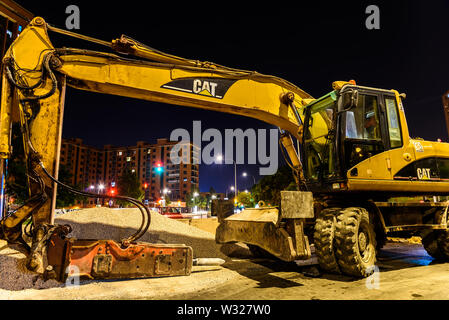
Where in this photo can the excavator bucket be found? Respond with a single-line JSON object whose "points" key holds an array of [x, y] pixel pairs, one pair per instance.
{"points": [[279, 232]]}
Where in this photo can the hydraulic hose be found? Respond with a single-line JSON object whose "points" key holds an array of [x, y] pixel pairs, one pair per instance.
{"points": [[143, 209]]}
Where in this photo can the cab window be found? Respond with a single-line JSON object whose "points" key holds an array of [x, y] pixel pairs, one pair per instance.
{"points": [[362, 122], [394, 128], [363, 136]]}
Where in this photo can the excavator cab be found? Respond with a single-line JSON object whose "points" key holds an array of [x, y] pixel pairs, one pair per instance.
{"points": [[345, 128]]}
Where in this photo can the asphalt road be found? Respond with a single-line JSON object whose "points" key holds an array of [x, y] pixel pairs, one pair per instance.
{"points": [[405, 272]]}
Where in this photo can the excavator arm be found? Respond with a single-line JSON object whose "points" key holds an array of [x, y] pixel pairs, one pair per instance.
{"points": [[36, 74]]}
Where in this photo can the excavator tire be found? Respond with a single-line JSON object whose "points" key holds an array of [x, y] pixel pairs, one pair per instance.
{"points": [[355, 242], [436, 243], [443, 244], [431, 242], [324, 240]]}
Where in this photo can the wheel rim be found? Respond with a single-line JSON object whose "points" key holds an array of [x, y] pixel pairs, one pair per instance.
{"points": [[364, 243]]}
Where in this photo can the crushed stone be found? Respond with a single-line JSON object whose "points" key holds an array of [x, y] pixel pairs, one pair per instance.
{"points": [[117, 224]]}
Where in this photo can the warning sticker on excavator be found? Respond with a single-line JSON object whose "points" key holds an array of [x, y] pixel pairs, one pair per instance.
{"points": [[209, 87], [418, 147]]}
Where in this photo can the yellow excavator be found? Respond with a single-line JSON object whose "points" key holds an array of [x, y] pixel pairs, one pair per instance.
{"points": [[353, 159]]}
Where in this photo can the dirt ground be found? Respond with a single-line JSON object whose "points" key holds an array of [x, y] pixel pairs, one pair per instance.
{"points": [[406, 272]]}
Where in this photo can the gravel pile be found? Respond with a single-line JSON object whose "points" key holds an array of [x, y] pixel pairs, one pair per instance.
{"points": [[412, 240], [14, 275]]}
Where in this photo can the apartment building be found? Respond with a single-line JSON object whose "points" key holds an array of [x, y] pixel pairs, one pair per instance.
{"points": [[85, 163], [95, 169], [174, 180]]}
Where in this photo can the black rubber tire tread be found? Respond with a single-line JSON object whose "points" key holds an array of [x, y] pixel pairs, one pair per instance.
{"points": [[347, 243], [430, 242], [443, 245], [324, 240], [436, 242]]}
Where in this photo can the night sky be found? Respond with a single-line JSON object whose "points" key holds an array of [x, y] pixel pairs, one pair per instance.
{"points": [[310, 45]]}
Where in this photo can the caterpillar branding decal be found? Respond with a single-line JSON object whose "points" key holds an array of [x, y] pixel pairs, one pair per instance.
{"points": [[427, 169], [209, 87], [423, 173]]}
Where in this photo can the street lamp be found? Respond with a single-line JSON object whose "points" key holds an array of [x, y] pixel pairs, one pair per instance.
{"points": [[195, 203], [100, 189], [230, 188], [244, 174], [219, 159]]}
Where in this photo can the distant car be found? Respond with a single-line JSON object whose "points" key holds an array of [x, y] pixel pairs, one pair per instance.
{"points": [[171, 212]]}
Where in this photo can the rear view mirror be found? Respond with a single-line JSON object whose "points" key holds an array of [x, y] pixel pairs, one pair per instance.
{"points": [[349, 99]]}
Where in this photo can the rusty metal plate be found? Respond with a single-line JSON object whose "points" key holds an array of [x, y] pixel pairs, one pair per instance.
{"points": [[107, 259], [296, 205]]}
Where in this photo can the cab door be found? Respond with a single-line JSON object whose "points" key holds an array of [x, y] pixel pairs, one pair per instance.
{"points": [[366, 138], [401, 150]]}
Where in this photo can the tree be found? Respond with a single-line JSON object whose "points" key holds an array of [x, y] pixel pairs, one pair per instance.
{"points": [[195, 199], [209, 198], [269, 188], [65, 198], [128, 185], [167, 199], [246, 199], [17, 182]]}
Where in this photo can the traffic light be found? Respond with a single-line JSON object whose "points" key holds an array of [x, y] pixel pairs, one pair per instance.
{"points": [[159, 167], [112, 192], [145, 185]]}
